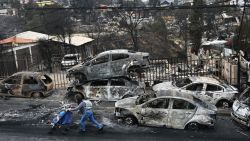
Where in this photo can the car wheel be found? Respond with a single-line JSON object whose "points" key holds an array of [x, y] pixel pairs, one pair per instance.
{"points": [[193, 126], [36, 95], [134, 72], [80, 77], [223, 104], [130, 120]]}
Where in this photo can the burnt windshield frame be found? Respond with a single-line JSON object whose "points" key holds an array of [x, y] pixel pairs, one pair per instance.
{"points": [[183, 82]]}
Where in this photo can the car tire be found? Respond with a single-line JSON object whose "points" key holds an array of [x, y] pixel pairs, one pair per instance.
{"points": [[36, 95], [81, 77], [130, 120], [225, 104], [134, 72], [193, 126]]}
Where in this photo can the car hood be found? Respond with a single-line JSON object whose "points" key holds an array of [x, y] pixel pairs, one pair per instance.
{"points": [[126, 102], [241, 109], [76, 67], [163, 86]]}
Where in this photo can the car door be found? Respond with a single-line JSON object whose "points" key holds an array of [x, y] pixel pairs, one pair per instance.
{"points": [[155, 112], [196, 89], [30, 84], [213, 91], [98, 90], [118, 63], [13, 85], [99, 67], [180, 112], [118, 89]]}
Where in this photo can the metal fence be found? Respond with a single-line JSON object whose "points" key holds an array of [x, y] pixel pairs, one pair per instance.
{"points": [[160, 69]]}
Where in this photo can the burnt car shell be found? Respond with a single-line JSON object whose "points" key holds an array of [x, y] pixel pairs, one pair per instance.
{"points": [[241, 108], [110, 64], [107, 89], [206, 88], [27, 84], [167, 115]]}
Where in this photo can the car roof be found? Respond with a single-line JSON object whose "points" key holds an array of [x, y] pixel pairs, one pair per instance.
{"points": [[174, 94], [116, 51], [204, 79], [29, 73]]}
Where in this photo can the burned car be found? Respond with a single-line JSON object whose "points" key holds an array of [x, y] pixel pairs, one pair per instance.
{"points": [[105, 89], [173, 110], [109, 64], [206, 88], [241, 109], [27, 84]]}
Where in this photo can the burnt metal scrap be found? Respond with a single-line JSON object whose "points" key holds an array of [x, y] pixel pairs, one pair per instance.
{"points": [[27, 84]]}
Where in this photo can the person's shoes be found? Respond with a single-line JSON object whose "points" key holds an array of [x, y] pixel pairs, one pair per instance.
{"points": [[101, 129]]}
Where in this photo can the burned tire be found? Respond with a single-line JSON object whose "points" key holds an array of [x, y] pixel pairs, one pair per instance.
{"points": [[193, 126], [223, 104], [36, 95], [130, 120], [134, 72], [81, 77]]}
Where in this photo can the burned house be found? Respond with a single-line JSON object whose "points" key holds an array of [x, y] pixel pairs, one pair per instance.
{"points": [[23, 51]]}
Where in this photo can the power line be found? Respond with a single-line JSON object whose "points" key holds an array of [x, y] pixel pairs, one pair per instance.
{"points": [[171, 7]]}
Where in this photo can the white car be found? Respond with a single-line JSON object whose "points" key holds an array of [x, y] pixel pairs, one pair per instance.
{"points": [[241, 108], [70, 60], [174, 110], [205, 88]]}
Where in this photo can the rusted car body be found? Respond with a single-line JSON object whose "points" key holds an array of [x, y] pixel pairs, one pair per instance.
{"points": [[205, 88], [106, 89], [174, 110], [241, 108], [27, 84], [109, 64]]}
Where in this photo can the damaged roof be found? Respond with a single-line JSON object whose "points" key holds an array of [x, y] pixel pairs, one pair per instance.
{"points": [[174, 93], [31, 37], [204, 79], [16, 40], [75, 39]]}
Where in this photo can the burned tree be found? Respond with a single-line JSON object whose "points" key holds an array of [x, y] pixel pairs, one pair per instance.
{"points": [[131, 23], [196, 26]]}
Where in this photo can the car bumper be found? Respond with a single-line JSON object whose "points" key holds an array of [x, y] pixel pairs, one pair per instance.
{"points": [[240, 120]]}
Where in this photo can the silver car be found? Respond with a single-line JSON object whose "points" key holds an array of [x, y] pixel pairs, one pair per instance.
{"points": [[206, 88], [241, 108], [109, 64], [174, 110]]}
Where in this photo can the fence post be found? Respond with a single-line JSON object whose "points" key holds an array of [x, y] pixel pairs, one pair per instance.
{"points": [[238, 75]]}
